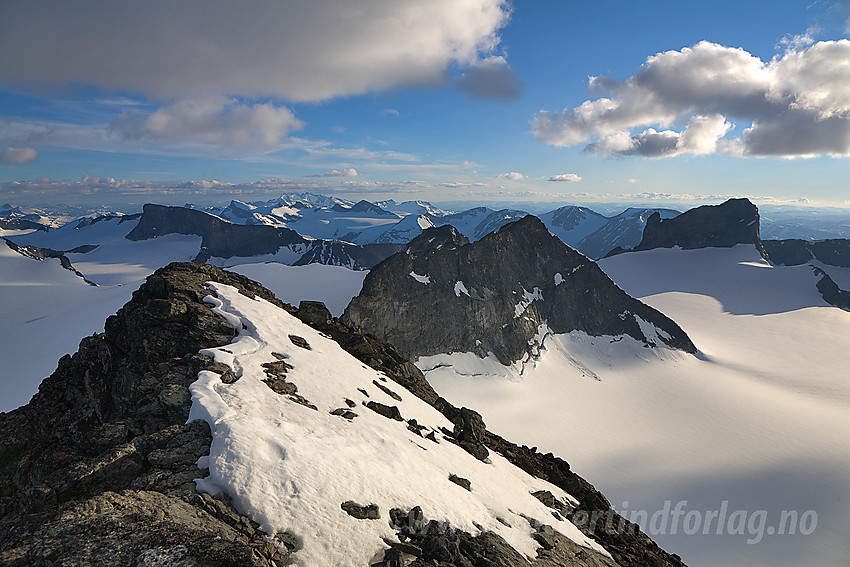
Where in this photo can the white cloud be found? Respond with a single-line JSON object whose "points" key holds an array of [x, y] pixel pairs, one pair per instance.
{"points": [[350, 172], [797, 104], [214, 121], [491, 78], [700, 136], [18, 156], [390, 112], [512, 176], [299, 50], [566, 178]]}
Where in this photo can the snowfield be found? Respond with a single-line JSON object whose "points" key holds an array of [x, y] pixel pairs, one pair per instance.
{"points": [[759, 419], [45, 310], [290, 467], [332, 285]]}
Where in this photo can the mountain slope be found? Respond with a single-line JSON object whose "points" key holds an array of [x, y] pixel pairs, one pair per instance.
{"points": [[572, 224], [98, 468], [500, 295], [623, 230]]}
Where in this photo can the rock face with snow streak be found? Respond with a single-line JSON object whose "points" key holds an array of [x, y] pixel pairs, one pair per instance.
{"points": [[499, 295], [734, 222]]}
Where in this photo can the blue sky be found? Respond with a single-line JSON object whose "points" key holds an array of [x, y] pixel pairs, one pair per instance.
{"points": [[447, 100]]}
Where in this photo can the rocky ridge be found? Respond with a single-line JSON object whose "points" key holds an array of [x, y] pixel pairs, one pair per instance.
{"points": [[223, 239], [794, 252], [497, 295], [97, 469]]}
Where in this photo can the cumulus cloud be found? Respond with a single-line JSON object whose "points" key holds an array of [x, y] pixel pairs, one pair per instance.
{"points": [[299, 50], [566, 178], [214, 121], [512, 176], [350, 172], [18, 156], [684, 102], [492, 78]]}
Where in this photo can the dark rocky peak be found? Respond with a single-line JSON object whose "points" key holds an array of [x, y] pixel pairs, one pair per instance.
{"points": [[444, 237], [220, 238], [494, 295], [734, 222]]}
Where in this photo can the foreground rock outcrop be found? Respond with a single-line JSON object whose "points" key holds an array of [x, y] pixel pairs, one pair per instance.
{"points": [[98, 468], [497, 295]]}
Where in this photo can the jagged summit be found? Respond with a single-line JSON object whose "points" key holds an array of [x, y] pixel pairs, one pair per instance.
{"points": [[497, 295], [733, 222], [445, 237], [100, 467]]}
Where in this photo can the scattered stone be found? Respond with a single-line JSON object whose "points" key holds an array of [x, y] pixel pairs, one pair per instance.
{"points": [[279, 356], [390, 412], [460, 481], [227, 375], [276, 368], [350, 403], [289, 541], [432, 437], [369, 512], [407, 548], [345, 413], [547, 498], [545, 536], [299, 399], [281, 386], [387, 391], [364, 392], [300, 342]]}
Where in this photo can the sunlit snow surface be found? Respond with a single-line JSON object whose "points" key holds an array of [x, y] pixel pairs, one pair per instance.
{"points": [[760, 418], [332, 285], [290, 467]]}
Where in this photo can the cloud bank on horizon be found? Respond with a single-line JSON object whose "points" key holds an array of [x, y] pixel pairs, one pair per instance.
{"points": [[796, 105]]}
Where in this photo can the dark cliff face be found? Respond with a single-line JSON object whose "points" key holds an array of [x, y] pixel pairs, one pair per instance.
{"points": [[220, 238], [494, 294], [793, 252], [734, 222]]}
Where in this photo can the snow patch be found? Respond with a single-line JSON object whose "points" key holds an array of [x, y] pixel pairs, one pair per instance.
{"points": [[559, 279], [527, 298], [421, 279], [460, 288]]}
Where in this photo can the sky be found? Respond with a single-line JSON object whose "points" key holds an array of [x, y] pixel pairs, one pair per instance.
{"points": [[657, 102]]}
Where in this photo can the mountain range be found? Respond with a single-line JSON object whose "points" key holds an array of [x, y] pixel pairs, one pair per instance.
{"points": [[211, 423]]}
